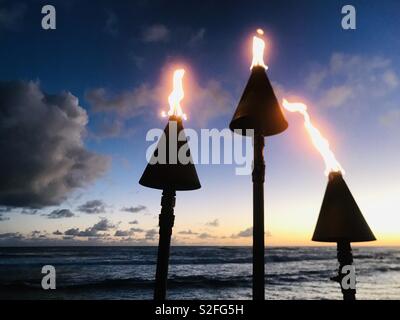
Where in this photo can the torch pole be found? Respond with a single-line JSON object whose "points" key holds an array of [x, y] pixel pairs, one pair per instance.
{"points": [[345, 257], [166, 222], [258, 218]]}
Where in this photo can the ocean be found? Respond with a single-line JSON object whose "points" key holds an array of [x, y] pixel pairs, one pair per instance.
{"points": [[195, 273]]}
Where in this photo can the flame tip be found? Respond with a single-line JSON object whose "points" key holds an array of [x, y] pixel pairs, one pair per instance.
{"points": [[176, 95], [258, 51], [318, 140]]}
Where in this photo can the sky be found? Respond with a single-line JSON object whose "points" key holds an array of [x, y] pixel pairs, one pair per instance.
{"points": [[77, 102]]}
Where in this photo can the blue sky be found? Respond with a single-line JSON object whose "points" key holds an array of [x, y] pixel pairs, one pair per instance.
{"points": [[349, 78]]}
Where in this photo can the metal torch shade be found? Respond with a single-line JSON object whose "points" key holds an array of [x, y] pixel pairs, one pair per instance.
{"points": [[258, 108], [171, 176], [340, 218]]}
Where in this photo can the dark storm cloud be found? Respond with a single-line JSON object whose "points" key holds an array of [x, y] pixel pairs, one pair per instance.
{"points": [[60, 213], [93, 207], [134, 222], [42, 135], [134, 209]]}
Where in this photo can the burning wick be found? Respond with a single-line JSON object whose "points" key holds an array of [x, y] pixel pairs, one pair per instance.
{"points": [[258, 51], [319, 142], [176, 96]]}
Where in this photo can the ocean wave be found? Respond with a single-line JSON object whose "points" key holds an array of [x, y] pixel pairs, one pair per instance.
{"points": [[198, 281]]}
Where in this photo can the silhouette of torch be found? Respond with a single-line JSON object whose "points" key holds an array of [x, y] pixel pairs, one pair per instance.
{"points": [[166, 172], [340, 219], [259, 111]]}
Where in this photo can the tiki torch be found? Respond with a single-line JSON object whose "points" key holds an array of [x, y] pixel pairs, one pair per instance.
{"points": [[258, 110], [166, 172], [340, 219]]}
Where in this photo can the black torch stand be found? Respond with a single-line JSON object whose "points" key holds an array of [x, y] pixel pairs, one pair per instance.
{"points": [[258, 218], [166, 222], [345, 258]]}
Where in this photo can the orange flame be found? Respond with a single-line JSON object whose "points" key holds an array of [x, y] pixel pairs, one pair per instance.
{"points": [[258, 51], [176, 96], [322, 145]]}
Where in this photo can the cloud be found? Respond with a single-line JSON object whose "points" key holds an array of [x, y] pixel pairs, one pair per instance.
{"points": [[41, 135], [103, 225], [136, 230], [111, 26], [89, 232], [156, 33], [247, 233], [30, 212], [11, 18], [206, 235], [390, 119], [243, 234], [60, 213], [134, 222], [57, 233], [108, 129], [11, 236], [136, 209], [96, 231], [391, 79], [187, 232], [122, 233], [151, 234], [214, 223], [3, 218], [93, 207], [336, 96], [352, 79], [72, 232], [197, 37], [211, 98], [127, 104]]}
